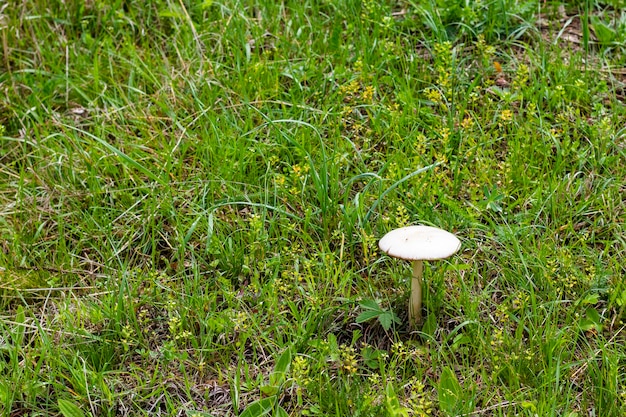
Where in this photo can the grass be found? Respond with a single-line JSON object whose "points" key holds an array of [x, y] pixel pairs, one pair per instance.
{"points": [[192, 193]]}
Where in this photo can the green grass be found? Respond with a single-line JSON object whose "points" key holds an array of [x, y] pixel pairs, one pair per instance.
{"points": [[191, 195]]}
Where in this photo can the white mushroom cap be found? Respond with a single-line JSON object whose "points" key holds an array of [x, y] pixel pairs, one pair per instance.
{"points": [[419, 243]]}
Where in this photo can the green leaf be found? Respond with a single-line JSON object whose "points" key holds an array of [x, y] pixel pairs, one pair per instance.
{"points": [[458, 267], [606, 35], [387, 318], [20, 319], [460, 340], [372, 356], [4, 392], [430, 325], [269, 390], [449, 392], [373, 310], [394, 408], [277, 377], [69, 409], [591, 321], [367, 315], [281, 412], [259, 408], [591, 299], [370, 305]]}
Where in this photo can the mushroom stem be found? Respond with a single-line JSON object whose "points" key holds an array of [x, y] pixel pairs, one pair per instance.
{"points": [[415, 303]]}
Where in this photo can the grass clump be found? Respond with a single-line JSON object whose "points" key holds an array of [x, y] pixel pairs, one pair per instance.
{"points": [[191, 196]]}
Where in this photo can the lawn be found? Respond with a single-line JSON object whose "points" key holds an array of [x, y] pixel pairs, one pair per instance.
{"points": [[192, 195]]}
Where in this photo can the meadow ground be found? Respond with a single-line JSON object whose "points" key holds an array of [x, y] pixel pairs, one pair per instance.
{"points": [[191, 195]]}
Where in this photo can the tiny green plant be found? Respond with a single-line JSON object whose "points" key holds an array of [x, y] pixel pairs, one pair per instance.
{"points": [[269, 404], [394, 408], [372, 310], [449, 392], [610, 34]]}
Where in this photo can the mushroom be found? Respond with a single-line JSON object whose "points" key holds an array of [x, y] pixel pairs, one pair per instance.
{"points": [[418, 244]]}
